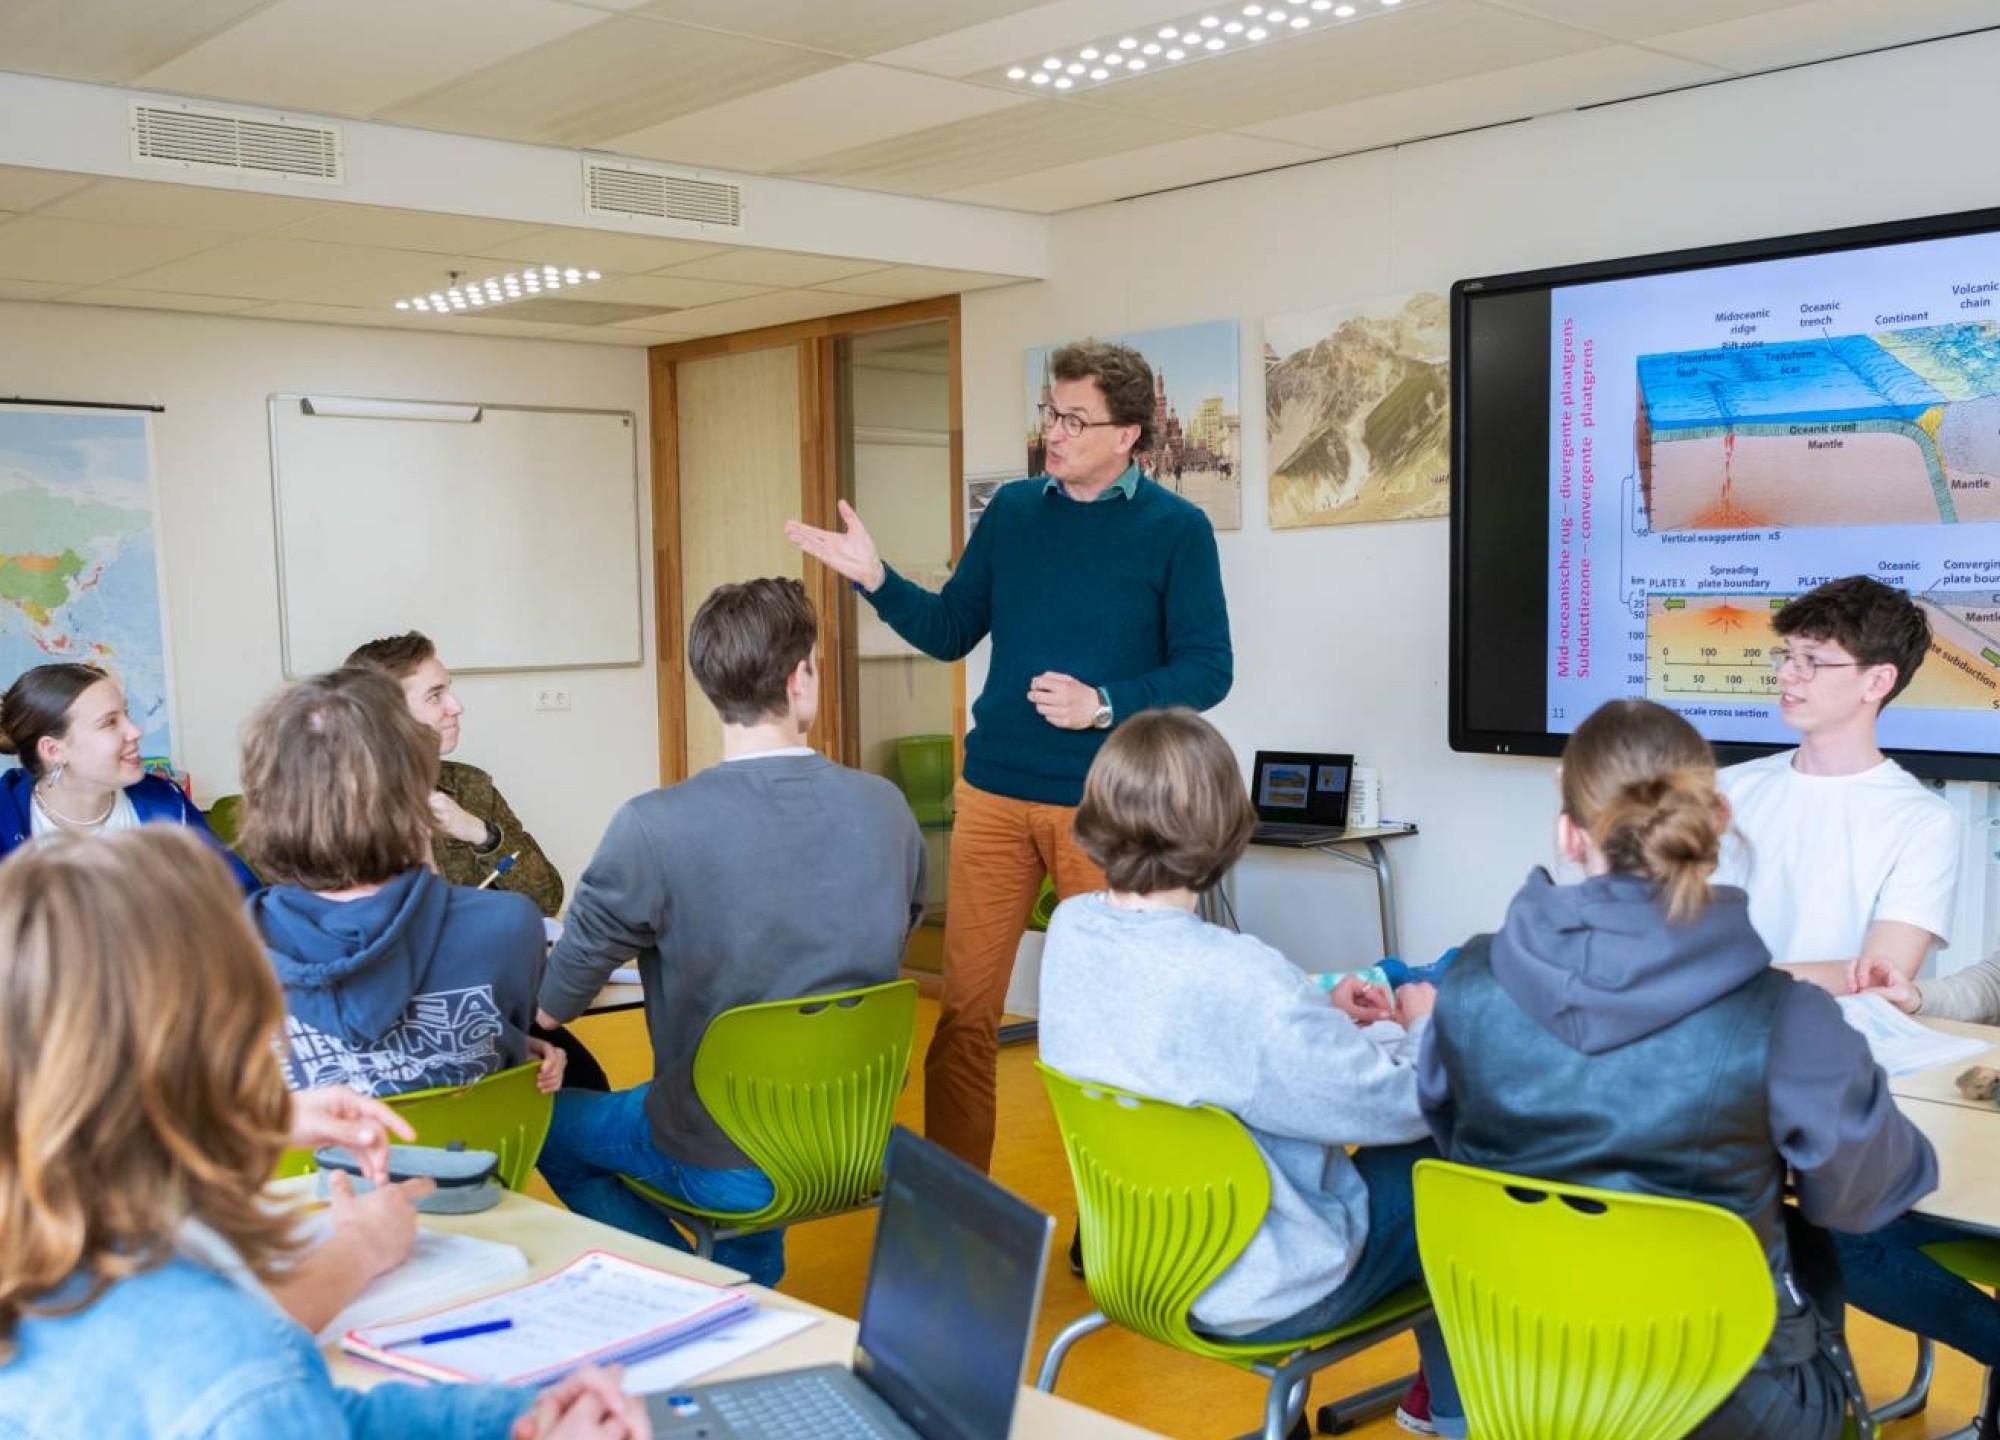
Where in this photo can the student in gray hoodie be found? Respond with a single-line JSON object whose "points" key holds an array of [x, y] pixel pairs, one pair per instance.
{"points": [[394, 979], [1139, 992], [1629, 1032]]}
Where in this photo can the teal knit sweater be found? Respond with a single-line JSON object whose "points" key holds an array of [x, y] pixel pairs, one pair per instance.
{"points": [[1122, 594]]}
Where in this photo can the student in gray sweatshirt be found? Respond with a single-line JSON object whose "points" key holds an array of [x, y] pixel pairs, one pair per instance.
{"points": [[1138, 992], [771, 875]]}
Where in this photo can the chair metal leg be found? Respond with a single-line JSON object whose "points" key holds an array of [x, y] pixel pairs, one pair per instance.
{"points": [[1285, 1400], [1918, 1394], [1337, 1417], [1052, 1363]]}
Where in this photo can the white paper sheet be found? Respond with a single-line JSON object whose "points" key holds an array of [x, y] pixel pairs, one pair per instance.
{"points": [[714, 1350], [1900, 1045]]}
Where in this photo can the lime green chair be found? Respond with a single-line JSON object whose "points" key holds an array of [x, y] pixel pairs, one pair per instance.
{"points": [[225, 818], [503, 1113], [807, 1089], [1574, 1313], [1973, 1260], [924, 764], [1167, 1197], [1044, 908]]}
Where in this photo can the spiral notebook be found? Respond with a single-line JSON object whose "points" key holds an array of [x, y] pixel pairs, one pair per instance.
{"points": [[600, 1309]]}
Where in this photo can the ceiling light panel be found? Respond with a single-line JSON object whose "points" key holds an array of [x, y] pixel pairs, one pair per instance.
{"points": [[1230, 29], [460, 296]]}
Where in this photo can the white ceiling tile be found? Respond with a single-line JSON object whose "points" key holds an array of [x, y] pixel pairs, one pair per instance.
{"points": [[109, 41], [846, 27], [760, 310], [495, 323], [988, 148], [314, 314], [24, 189], [833, 110], [33, 289], [192, 207], [1421, 44], [410, 230], [402, 274], [1135, 172], [663, 328], [83, 253], [267, 268], [353, 57], [1639, 19], [618, 335], [1062, 24], [669, 290], [916, 282], [1491, 98], [773, 267], [601, 250], [158, 300], [1823, 29], [614, 78]]}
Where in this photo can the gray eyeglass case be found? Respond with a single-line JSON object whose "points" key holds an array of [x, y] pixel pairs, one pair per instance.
{"points": [[467, 1180]]}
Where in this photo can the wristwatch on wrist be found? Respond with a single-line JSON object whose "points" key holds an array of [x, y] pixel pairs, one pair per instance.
{"points": [[1102, 719]]}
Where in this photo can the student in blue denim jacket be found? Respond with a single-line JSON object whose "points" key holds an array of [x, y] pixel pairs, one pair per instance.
{"points": [[141, 1109]]}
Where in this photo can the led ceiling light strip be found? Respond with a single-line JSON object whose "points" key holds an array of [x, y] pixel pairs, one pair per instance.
{"points": [[1220, 30], [463, 295]]}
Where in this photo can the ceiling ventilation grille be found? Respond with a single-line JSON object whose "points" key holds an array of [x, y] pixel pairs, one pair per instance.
{"points": [[248, 144], [630, 192]]}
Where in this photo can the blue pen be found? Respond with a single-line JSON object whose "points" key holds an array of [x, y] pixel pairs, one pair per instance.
{"points": [[462, 1332], [506, 863]]}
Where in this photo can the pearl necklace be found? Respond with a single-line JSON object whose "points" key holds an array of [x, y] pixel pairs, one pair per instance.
{"points": [[70, 822]]}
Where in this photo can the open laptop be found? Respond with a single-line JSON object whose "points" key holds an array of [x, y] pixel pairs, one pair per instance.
{"points": [[946, 1320], [1301, 798]]}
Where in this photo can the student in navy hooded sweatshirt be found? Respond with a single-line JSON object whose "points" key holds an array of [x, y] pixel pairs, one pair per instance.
{"points": [[394, 979]]}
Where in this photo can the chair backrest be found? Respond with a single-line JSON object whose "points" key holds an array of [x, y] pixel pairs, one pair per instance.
{"points": [[225, 818], [503, 1113], [1168, 1196], [924, 766], [1573, 1313], [807, 1089]]}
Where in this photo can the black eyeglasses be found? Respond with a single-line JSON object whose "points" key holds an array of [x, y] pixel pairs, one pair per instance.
{"points": [[1807, 665], [1072, 425]]}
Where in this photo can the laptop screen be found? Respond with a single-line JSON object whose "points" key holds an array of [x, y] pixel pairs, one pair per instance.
{"points": [[952, 1292], [1300, 787]]}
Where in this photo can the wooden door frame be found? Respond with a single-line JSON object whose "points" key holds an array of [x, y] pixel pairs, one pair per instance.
{"points": [[816, 342]]}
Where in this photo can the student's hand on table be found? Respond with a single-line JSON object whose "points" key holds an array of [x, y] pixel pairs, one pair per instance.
{"points": [[1415, 1001], [1064, 701], [850, 552], [588, 1404], [1362, 1001], [380, 1227], [548, 1079], [1871, 975], [455, 820], [335, 1115]]}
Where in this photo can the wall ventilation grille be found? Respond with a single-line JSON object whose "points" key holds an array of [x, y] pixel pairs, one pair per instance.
{"points": [[630, 192], [182, 135]]}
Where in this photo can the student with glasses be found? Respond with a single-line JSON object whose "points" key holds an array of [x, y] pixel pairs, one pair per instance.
{"points": [[1103, 597], [1851, 865], [1850, 861]]}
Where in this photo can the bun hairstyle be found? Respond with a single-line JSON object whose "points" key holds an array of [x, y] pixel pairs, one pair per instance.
{"points": [[1640, 782], [37, 705]]}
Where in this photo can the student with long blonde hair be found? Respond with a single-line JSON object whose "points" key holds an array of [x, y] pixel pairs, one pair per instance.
{"points": [[1629, 1032], [142, 1107]]}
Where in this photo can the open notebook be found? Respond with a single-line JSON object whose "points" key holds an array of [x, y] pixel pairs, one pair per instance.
{"points": [[600, 1309]]}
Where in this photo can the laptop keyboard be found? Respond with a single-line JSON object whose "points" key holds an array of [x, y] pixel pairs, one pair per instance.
{"points": [[802, 1405]]}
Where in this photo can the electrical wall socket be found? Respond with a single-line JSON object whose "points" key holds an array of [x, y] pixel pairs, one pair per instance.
{"points": [[550, 697]]}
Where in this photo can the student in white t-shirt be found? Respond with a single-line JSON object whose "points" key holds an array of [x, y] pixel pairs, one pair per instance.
{"points": [[1850, 862]]}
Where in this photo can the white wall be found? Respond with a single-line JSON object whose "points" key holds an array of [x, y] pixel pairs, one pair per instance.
{"points": [[564, 773], [1341, 633]]}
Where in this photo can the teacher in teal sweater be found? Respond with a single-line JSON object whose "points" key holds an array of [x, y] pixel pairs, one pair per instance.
{"points": [[1103, 596]]}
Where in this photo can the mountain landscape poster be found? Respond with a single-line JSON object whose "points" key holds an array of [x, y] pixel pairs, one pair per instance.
{"points": [[1356, 410]]}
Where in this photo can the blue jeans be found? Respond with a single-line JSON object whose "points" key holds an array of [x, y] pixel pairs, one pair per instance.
{"points": [[1387, 1263], [595, 1138], [1889, 1277]]}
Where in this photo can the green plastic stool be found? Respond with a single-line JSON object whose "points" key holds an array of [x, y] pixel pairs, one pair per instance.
{"points": [[1044, 908], [807, 1089], [1167, 1197], [924, 766]]}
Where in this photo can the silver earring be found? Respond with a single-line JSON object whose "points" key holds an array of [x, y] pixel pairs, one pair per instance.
{"points": [[57, 771]]}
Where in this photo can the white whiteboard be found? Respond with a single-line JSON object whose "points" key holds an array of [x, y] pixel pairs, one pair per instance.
{"points": [[512, 540]]}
